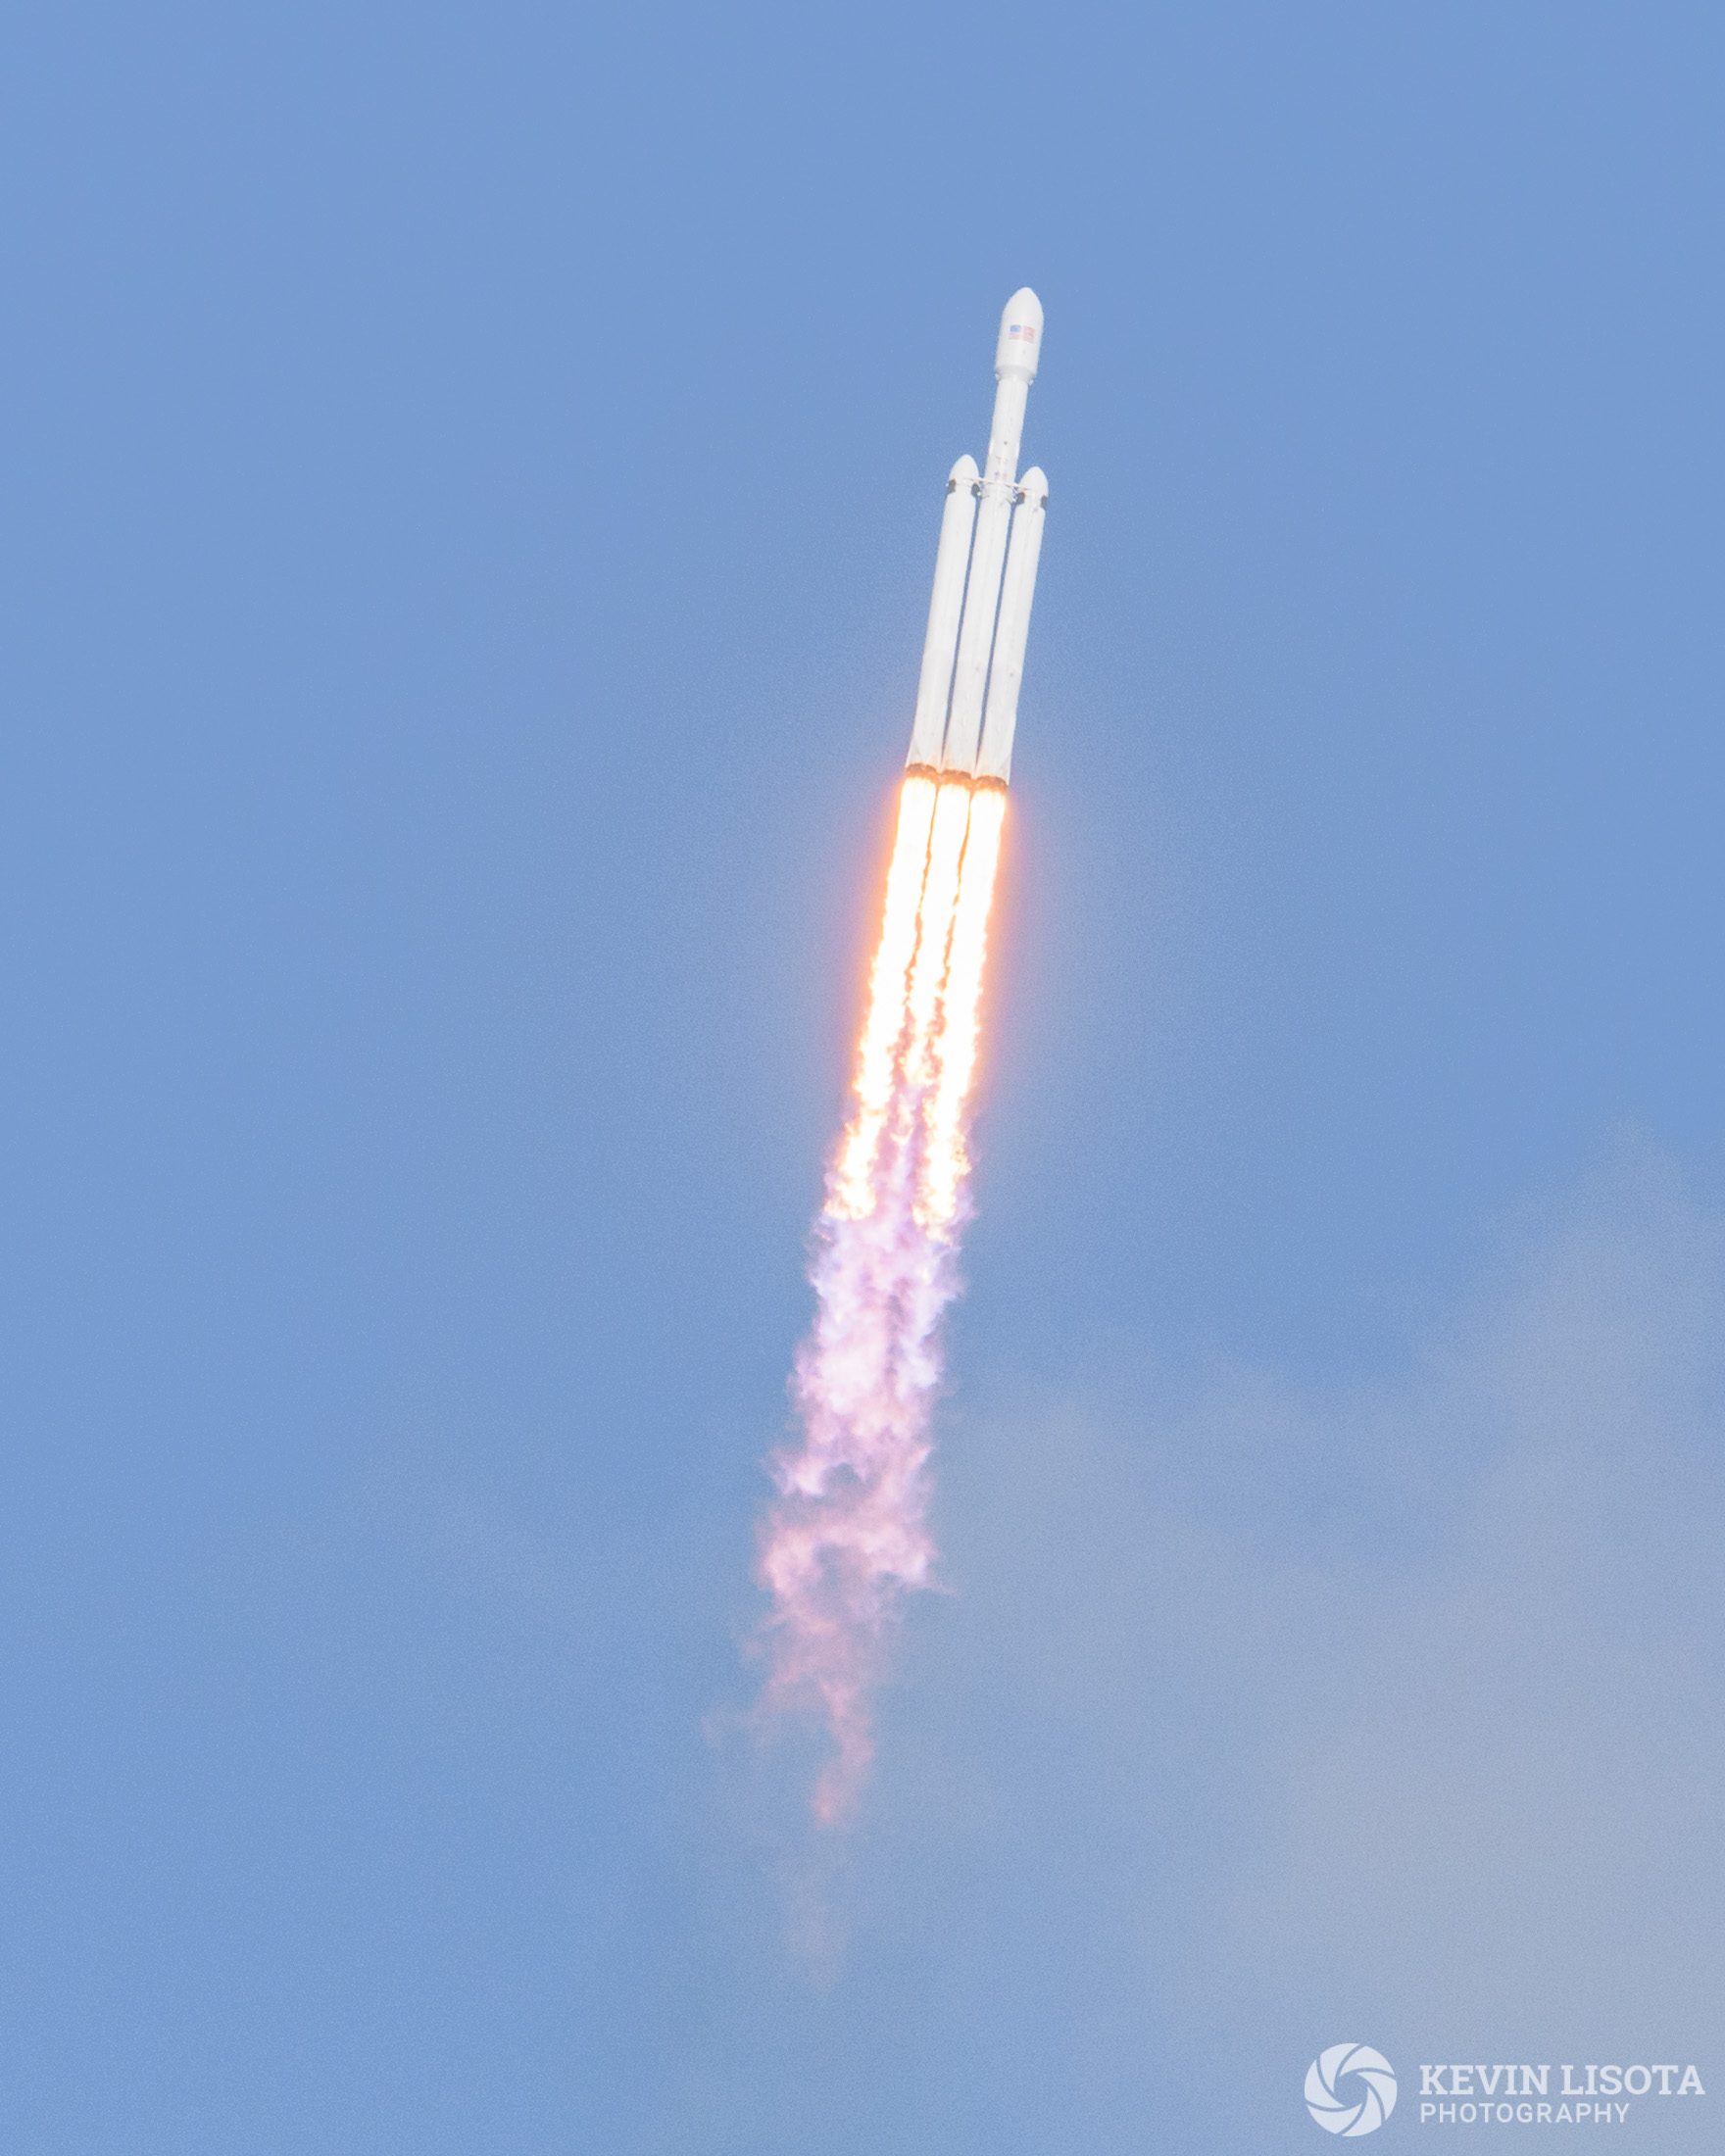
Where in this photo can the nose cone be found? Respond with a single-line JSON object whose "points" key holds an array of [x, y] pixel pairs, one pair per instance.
{"points": [[1020, 345]]}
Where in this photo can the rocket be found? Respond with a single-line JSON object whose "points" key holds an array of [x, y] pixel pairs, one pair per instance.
{"points": [[984, 578]]}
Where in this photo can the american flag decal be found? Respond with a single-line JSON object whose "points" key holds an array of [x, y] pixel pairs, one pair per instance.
{"points": [[1024, 331]]}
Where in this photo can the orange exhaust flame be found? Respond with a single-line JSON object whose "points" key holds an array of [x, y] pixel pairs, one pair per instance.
{"points": [[851, 1193], [847, 1536], [940, 896], [945, 1161]]}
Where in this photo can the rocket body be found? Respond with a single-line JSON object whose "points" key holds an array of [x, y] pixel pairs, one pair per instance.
{"points": [[952, 561], [984, 581]]}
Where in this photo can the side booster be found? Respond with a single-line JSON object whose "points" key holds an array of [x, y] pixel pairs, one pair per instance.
{"points": [[978, 618]]}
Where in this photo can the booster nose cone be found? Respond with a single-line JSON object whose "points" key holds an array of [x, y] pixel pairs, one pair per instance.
{"points": [[1020, 345]]}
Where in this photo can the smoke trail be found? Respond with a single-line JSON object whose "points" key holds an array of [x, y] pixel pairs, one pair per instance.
{"points": [[847, 1537]]}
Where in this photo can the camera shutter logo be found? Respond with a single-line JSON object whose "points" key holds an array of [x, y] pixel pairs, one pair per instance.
{"points": [[1368, 2099]]}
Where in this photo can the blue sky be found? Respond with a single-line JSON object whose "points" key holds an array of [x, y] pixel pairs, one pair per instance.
{"points": [[471, 482]]}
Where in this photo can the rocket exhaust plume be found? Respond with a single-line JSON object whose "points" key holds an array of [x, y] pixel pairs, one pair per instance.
{"points": [[846, 1538]]}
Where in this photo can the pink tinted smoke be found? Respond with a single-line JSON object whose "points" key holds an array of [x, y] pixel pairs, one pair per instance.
{"points": [[847, 1536]]}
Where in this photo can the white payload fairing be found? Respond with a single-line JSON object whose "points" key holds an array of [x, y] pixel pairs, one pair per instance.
{"points": [[972, 657]]}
